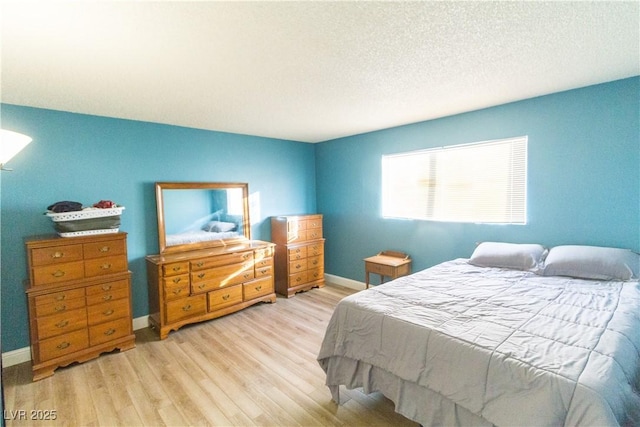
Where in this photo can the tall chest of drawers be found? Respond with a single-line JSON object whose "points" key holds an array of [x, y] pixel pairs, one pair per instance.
{"points": [[299, 253], [79, 299], [194, 286]]}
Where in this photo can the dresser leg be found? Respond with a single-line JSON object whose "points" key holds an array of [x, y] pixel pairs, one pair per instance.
{"points": [[42, 373]]}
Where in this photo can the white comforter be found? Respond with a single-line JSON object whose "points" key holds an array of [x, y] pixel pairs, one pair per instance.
{"points": [[198, 236], [512, 347]]}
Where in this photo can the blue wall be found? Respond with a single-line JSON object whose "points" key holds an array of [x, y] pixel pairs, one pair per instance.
{"points": [[87, 158], [583, 179]]}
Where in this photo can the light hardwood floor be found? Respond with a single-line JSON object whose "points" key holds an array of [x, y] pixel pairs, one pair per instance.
{"points": [[256, 367]]}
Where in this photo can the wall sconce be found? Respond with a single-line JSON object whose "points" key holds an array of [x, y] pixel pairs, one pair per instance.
{"points": [[10, 144]]}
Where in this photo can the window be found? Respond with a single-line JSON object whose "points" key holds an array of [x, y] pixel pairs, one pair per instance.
{"points": [[480, 182]]}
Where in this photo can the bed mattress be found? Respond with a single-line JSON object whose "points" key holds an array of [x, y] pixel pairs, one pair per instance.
{"points": [[496, 346]]}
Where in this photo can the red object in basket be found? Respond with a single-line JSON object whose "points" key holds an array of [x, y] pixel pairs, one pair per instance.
{"points": [[105, 204]]}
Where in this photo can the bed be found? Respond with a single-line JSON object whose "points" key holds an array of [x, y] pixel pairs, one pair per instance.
{"points": [[211, 230], [509, 337], [197, 236]]}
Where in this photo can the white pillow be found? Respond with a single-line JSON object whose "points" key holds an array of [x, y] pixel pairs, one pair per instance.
{"points": [[520, 256], [219, 226], [592, 262]]}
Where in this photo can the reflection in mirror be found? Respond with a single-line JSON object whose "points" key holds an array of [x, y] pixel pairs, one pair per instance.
{"points": [[199, 215]]}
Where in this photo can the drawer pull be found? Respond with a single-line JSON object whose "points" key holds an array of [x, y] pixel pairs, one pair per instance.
{"points": [[63, 345], [61, 297], [107, 298], [178, 268], [201, 275], [62, 324], [106, 266], [226, 297], [199, 264], [106, 287], [61, 308], [58, 273], [264, 270], [177, 280], [186, 307], [110, 331], [177, 291], [57, 254], [108, 312], [202, 285], [105, 249], [247, 275], [298, 266], [246, 255], [258, 287], [298, 279]]}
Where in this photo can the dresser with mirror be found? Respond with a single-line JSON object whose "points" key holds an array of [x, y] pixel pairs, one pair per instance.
{"points": [[208, 266]]}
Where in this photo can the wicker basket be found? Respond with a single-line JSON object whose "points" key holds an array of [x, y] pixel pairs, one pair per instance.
{"points": [[86, 222], [84, 214]]}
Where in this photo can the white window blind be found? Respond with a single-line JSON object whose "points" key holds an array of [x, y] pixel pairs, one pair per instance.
{"points": [[481, 182]]}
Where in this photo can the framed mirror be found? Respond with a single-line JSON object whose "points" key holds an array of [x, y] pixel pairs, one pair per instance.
{"points": [[195, 215]]}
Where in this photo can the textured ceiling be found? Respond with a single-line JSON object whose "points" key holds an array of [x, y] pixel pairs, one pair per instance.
{"points": [[306, 71]]}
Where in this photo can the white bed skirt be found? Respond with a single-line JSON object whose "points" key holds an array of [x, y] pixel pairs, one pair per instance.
{"points": [[411, 400]]}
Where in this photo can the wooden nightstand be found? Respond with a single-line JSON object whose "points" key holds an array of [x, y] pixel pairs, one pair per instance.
{"points": [[387, 263]]}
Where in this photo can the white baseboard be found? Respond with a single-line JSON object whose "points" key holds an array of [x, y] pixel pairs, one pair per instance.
{"points": [[140, 322], [15, 357], [21, 355], [343, 281]]}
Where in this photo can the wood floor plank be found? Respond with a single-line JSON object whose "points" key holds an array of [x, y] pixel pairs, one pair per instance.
{"points": [[256, 367]]}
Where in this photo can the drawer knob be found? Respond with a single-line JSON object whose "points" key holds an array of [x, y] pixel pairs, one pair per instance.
{"points": [[107, 297], [63, 345], [108, 312], [106, 287], [61, 297], [186, 307], [258, 287], [201, 275], [264, 270], [177, 291], [106, 266], [58, 273], [176, 268], [177, 280], [61, 308], [57, 254], [226, 297], [246, 255], [298, 279], [62, 324], [247, 275], [200, 264], [110, 331], [201, 286], [105, 249]]}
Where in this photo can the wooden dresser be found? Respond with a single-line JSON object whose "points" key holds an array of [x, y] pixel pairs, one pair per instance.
{"points": [[79, 299], [193, 286], [299, 253]]}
